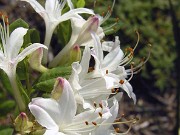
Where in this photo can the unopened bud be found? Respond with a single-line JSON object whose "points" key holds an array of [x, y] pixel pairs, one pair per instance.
{"points": [[75, 54], [91, 25], [22, 123], [35, 60], [58, 88]]}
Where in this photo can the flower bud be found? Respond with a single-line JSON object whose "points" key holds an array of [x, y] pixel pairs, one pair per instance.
{"points": [[75, 54], [58, 88], [91, 25], [22, 123], [35, 60]]}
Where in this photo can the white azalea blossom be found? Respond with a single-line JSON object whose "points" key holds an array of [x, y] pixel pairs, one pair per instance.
{"points": [[52, 15], [87, 89], [111, 64], [10, 56], [59, 116]]}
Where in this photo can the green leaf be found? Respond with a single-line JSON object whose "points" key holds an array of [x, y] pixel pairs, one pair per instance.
{"points": [[18, 23], [35, 37], [7, 131], [7, 106], [80, 4], [64, 32], [5, 81], [47, 79]]}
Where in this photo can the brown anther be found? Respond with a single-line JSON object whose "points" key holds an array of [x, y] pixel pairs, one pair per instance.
{"points": [[95, 105], [94, 123], [117, 90], [117, 120], [86, 123], [117, 130], [122, 115], [117, 19], [100, 114], [106, 71], [121, 81], [90, 69], [103, 14], [100, 105], [113, 90]]}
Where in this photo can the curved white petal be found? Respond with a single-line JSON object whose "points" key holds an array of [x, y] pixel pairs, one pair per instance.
{"points": [[97, 47], [28, 50], [70, 4], [104, 129], [74, 13], [67, 105], [15, 42], [112, 59], [51, 6], [53, 132], [74, 78], [46, 112], [85, 62], [37, 6], [1, 56]]}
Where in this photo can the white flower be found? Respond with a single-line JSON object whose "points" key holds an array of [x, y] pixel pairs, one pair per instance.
{"points": [[59, 116], [52, 15], [11, 45], [87, 89], [81, 36], [112, 64]]}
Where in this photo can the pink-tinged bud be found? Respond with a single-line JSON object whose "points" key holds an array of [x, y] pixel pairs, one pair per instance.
{"points": [[75, 54], [22, 123], [35, 60], [58, 88], [91, 25]]}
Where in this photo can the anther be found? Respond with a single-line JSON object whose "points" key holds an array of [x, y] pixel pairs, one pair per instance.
{"points": [[103, 14], [106, 71], [117, 130], [121, 81], [94, 123], [95, 105], [100, 105], [117, 19], [100, 114], [113, 90], [86, 123]]}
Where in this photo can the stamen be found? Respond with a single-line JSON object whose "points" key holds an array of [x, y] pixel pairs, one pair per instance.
{"points": [[100, 105], [131, 72], [117, 130], [95, 105], [86, 123], [106, 71], [121, 81], [113, 90], [100, 114], [94, 123]]}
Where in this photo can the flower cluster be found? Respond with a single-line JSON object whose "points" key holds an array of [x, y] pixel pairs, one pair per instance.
{"points": [[87, 101]]}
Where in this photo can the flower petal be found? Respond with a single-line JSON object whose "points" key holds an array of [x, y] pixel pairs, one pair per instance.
{"points": [[74, 14], [67, 105], [45, 115], [52, 132], [37, 7], [15, 42], [28, 50], [70, 4]]}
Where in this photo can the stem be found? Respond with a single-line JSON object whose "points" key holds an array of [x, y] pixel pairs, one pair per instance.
{"points": [[16, 93], [47, 41], [59, 57]]}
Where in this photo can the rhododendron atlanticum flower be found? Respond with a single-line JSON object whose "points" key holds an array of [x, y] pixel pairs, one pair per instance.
{"points": [[58, 115], [9, 53], [52, 15], [87, 89], [111, 64]]}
